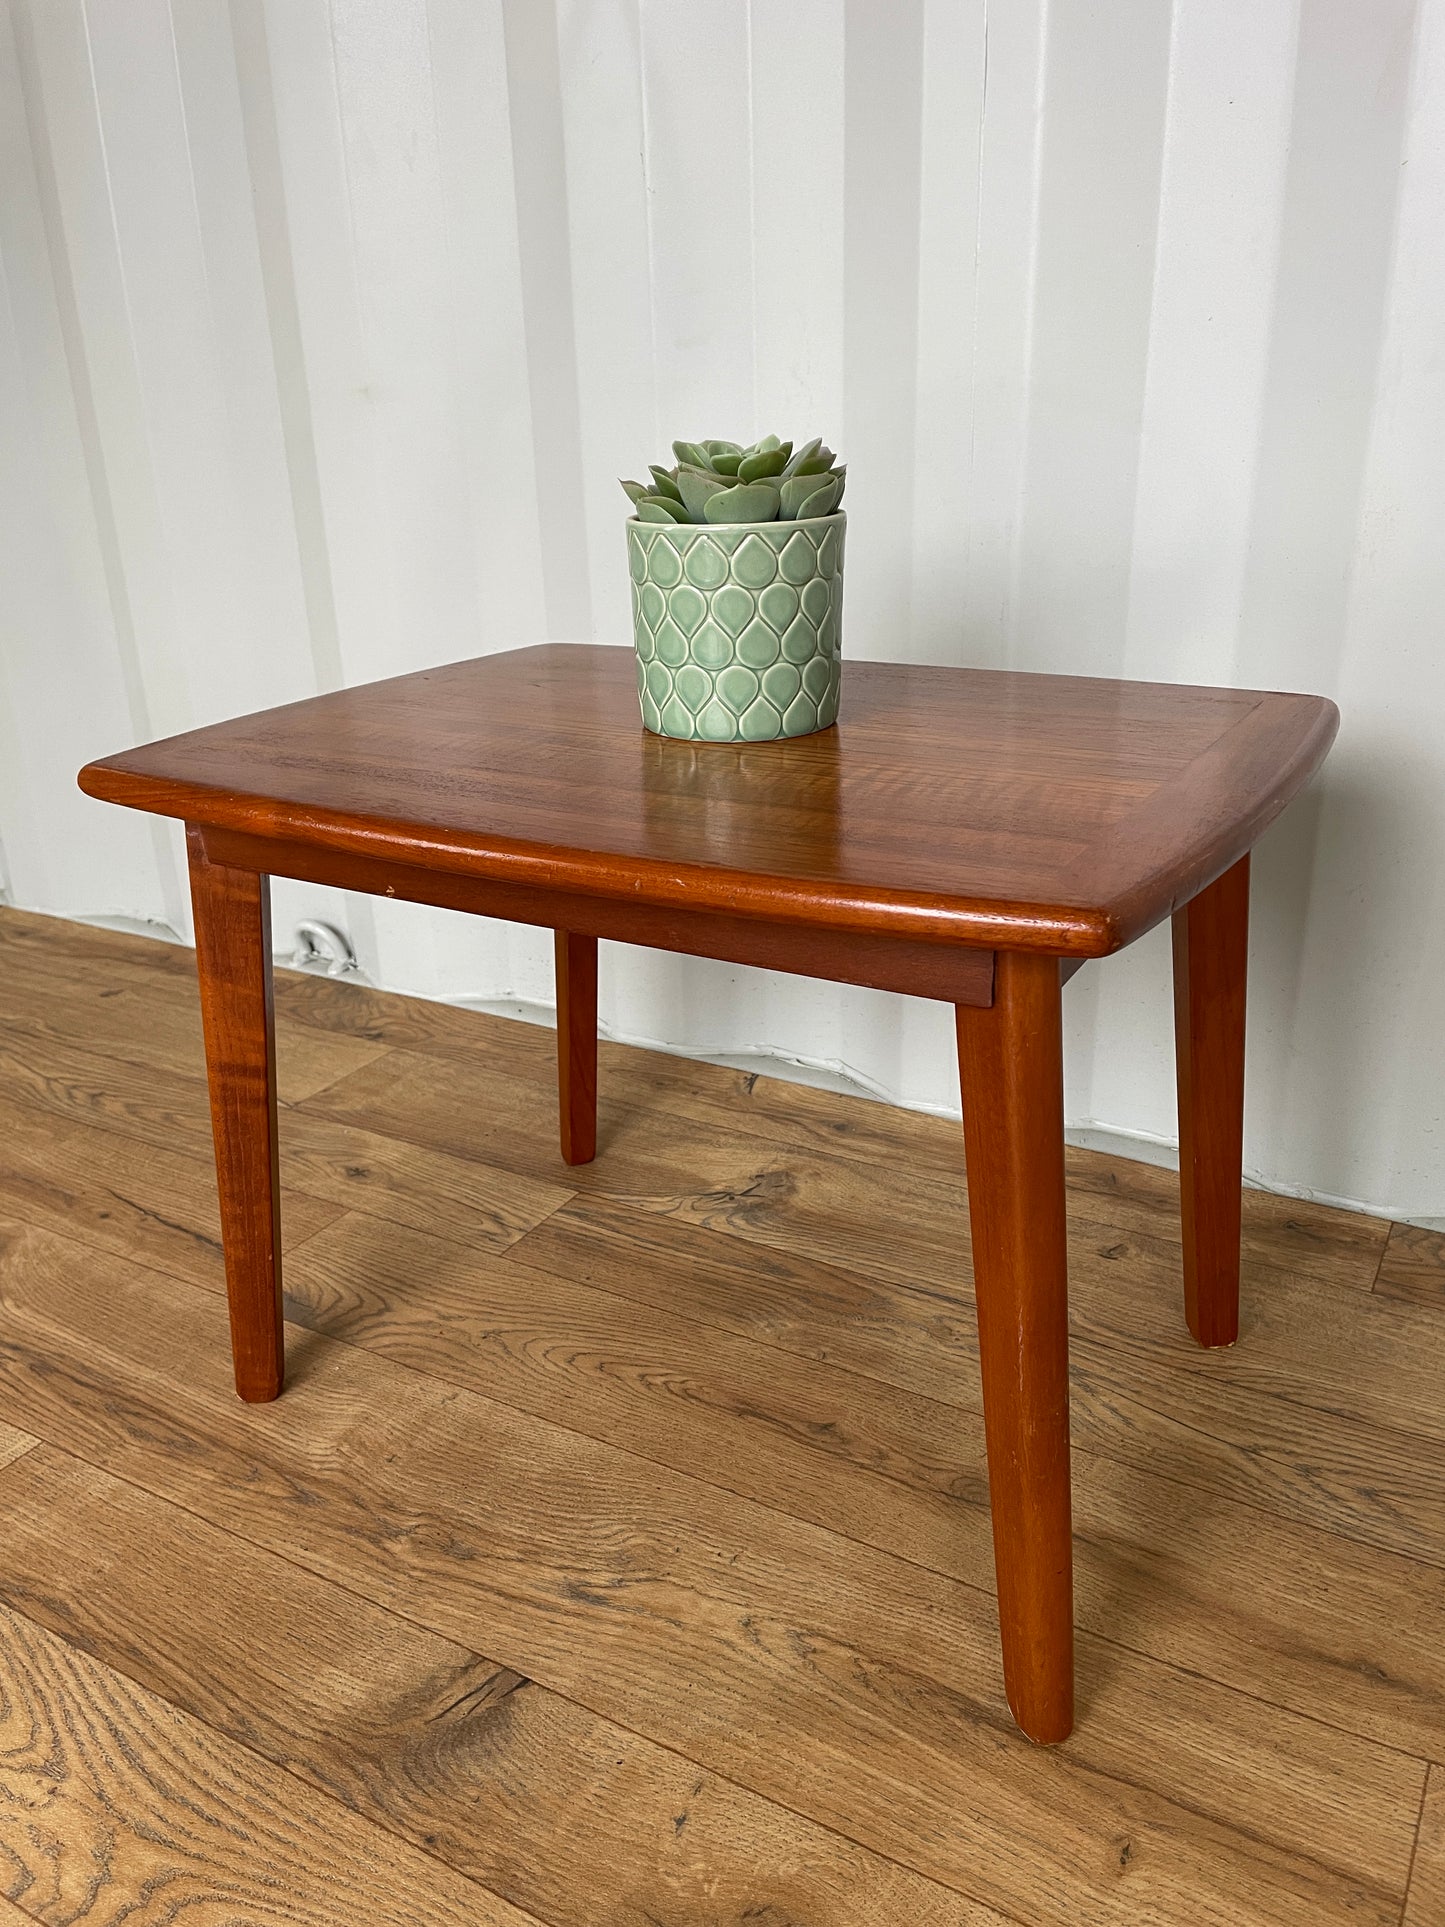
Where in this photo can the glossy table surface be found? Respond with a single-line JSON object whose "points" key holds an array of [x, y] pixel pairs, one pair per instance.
{"points": [[966, 806]]}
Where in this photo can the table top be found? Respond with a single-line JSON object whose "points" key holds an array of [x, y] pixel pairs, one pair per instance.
{"points": [[984, 807]]}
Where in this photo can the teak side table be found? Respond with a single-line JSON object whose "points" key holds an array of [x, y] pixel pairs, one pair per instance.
{"points": [[968, 835]]}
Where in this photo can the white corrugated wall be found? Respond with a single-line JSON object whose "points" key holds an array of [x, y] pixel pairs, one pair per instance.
{"points": [[326, 330]]}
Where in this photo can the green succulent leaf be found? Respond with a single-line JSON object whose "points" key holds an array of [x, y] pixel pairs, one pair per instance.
{"points": [[695, 485], [720, 481], [660, 508], [798, 490], [748, 502], [801, 455], [821, 501], [768, 461]]}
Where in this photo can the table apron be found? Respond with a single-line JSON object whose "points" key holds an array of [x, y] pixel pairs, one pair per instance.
{"points": [[949, 973]]}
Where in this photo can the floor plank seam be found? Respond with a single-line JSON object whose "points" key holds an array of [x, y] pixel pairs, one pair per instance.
{"points": [[9, 1458], [1262, 1699], [1415, 1848], [1249, 1503], [1245, 1500], [108, 1126], [78, 1236], [509, 1251], [1283, 1397], [947, 1193], [984, 1587], [233, 1740], [984, 1591], [383, 1052], [1094, 1450], [651, 1400], [1375, 1291], [418, 1625]]}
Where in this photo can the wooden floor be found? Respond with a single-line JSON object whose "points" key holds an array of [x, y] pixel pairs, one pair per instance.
{"points": [[620, 1551]]}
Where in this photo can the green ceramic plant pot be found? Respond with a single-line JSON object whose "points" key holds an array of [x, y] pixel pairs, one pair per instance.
{"points": [[738, 627]]}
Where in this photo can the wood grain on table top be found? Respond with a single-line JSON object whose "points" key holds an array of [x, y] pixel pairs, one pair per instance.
{"points": [[961, 805]]}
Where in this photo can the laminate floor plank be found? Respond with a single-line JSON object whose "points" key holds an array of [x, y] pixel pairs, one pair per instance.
{"points": [[873, 1325], [621, 1543], [1357, 1355], [564, 1814], [115, 1806], [1377, 1486], [336, 1164], [767, 1107], [506, 1154], [132, 1009], [1110, 1195], [1156, 1401], [1287, 1233], [1160, 1567], [811, 1440], [410, 1184], [1119, 1194], [920, 1336], [345, 1008], [1374, 1484], [1425, 1905], [819, 1207], [830, 1677], [138, 1200], [1290, 1233], [1413, 1267], [701, 1164], [14, 1444], [1305, 1335], [1340, 1463], [836, 1209], [32, 933]]}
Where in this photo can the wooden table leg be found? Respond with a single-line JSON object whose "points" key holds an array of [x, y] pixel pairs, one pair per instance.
{"points": [[233, 957], [577, 1045], [1211, 951], [1011, 1070]]}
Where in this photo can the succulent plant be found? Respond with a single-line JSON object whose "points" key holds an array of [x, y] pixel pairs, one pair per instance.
{"points": [[725, 482]]}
